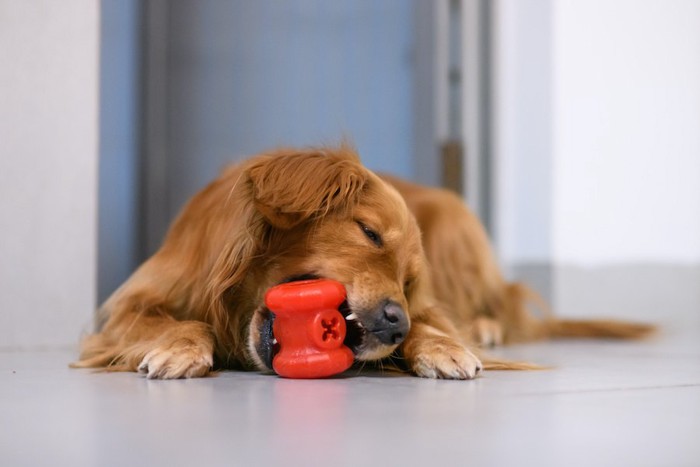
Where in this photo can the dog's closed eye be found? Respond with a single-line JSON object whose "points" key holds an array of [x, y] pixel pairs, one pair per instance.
{"points": [[371, 234]]}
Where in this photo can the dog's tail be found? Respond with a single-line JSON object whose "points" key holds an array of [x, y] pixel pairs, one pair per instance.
{"points": [[603, 328], [494, 363], [522, 325]]}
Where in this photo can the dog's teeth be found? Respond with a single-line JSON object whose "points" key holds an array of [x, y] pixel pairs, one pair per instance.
{"points": [[274, 341], [351, 316]]}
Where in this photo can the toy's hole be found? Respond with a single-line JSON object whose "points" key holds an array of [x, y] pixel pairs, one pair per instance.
{"points": [[330, 329]]}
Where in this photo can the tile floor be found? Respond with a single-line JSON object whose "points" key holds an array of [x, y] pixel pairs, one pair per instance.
{"points": [[603, 404]]}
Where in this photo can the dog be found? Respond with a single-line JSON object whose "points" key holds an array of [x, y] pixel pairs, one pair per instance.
{"points": [[423, 288]]}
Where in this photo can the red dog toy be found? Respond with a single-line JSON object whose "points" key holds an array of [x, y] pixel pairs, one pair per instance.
{"points": [[309, 329]]}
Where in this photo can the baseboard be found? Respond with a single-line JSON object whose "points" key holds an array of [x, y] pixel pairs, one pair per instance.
{"points": [[651, 292]]}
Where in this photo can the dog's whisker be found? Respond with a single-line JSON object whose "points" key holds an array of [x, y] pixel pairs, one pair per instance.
{"points": [[362, 367]]}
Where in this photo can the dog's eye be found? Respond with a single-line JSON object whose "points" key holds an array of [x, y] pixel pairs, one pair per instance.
{"points": [[407, 285], [371, 234]]}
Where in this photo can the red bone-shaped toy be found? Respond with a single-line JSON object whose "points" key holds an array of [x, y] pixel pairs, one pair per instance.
{"points": [[309, 328]]}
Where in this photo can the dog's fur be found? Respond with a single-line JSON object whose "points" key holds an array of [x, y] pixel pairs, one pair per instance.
{"points": [[197, 304]]}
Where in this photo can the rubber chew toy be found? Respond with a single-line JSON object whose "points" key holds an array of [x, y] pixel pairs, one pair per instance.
{"points": [[309, 329]]}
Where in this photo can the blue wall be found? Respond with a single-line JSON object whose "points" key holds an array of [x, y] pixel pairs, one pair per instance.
{"points": [[119, 140]]}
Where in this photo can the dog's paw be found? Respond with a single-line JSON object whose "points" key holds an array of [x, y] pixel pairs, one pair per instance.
{"points": [[182, 358], [487, 332], [446, 359]]}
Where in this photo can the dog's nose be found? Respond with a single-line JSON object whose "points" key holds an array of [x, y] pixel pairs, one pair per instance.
{"points": [[391, 324]]}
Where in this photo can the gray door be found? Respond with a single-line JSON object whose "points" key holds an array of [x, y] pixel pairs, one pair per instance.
{"points": [[189, 86], [228, 79]]}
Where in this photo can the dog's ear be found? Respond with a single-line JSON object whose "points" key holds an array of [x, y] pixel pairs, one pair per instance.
{"points": [[290, 187]]}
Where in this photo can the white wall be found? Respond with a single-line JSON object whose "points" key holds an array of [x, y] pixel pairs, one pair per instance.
{"points": [[48, 170], [598, 131], [626, 131], [522, 130]]}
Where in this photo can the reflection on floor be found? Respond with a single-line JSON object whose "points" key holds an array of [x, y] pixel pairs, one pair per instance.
{"points": [[602, 403]]}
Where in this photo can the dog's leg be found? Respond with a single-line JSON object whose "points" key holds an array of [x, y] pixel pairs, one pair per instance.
{"points": [[158, 346], [432, 353], [486, 331]]}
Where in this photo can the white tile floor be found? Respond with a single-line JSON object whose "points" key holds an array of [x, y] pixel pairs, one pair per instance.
{"points": [[604, 404]]}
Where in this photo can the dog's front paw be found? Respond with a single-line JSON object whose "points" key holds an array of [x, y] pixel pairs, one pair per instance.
{"points": [[444, 358], [182, 358]]}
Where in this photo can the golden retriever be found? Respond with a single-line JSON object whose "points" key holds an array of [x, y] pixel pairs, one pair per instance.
{"points": [[422, 284]]}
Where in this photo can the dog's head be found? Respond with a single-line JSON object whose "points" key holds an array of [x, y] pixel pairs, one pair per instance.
{"points": [[329, 217]]}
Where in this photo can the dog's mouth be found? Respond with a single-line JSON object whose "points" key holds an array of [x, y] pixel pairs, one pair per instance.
{"points": [[268, 347], [354, 330]]}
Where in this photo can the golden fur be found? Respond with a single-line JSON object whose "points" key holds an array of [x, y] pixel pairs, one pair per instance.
{"points": [[197, 304]]}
